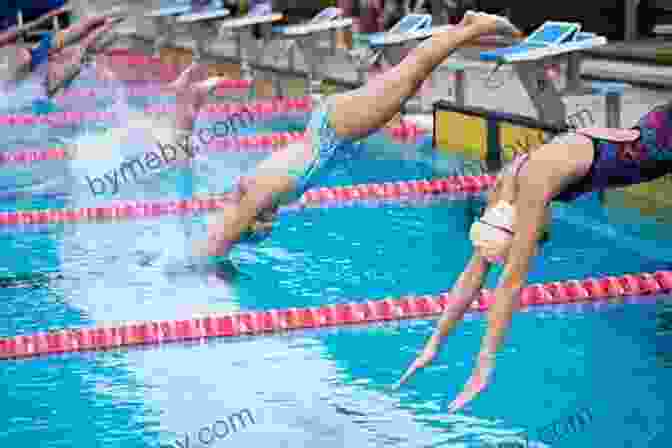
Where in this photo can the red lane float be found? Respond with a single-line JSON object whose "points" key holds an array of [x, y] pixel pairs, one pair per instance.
{"points": [[255, 143], [339, 315], [406, 131], [144, 91], [315, 197], [260, 109]]}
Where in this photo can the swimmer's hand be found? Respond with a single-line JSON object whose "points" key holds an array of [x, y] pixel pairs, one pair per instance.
{"points": [[479, 380], [422, 361], [261, 226], [210, 248]]}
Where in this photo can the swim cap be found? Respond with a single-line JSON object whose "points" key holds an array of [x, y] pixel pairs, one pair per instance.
{"points": [[493, 234]]}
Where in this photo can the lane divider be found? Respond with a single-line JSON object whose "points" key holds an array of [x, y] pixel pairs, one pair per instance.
{"points": [[318, 197], [255, 143], [261, 109], [143, 91], [653, 285], [258, 108]]}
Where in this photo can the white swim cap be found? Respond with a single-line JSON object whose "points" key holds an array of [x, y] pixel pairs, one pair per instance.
{"points": [[493, 233]]}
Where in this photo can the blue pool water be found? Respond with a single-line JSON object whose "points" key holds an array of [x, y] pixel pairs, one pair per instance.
{"points": [[327, 387]]}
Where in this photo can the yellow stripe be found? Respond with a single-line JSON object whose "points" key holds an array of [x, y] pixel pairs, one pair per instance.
{"points": [[457, 132], [513, 139]]}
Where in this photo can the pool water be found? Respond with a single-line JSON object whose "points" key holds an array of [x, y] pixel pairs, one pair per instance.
{"points": [[330, 387]]}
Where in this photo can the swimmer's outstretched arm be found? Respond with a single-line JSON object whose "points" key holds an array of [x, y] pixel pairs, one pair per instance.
{"points": [[542, 178], [365, 110], [79, 30], [58, 41], [464, 292], [65, 64], [239, 217]]}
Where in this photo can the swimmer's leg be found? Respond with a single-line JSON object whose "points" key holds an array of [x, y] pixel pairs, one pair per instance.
{"points": [[61, 39], [190, 95], [64, 65], [358, 113], [78, 31], [191, 89]]}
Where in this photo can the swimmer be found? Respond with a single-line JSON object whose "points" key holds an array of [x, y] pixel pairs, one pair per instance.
{"points": [[57, 51], [517, 216], [66, 63], [191, 90], [339, 120]]}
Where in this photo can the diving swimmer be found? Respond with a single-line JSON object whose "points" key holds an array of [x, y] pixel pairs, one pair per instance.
{"points": [[339, 120], [191, 89], [63, 52], [517, 216]]}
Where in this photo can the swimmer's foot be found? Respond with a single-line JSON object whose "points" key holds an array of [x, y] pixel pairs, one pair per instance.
{"points": [[192, 74], [490, 24], [23, 57], [191, 90], [193, 86]]}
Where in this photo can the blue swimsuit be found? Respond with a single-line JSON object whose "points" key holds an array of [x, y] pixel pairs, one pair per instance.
{"points": [[325, 142]]}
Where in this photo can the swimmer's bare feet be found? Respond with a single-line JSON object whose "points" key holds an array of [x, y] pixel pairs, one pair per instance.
{"points": [[23, 56], [490, 24], [192, 88]]}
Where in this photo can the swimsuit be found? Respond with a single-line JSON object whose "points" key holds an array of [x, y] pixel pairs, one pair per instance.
{"points": [[619, 163], [324, 143]]}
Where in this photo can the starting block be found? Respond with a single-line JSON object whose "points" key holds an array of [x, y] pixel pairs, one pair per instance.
{"points": [[165, 20], [202, 26], [404, 35], [308, 38], [547, 46], [247, 47], [394, 44]]}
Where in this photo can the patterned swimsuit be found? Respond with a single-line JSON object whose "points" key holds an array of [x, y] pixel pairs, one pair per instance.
{"points": [[620, 164]]}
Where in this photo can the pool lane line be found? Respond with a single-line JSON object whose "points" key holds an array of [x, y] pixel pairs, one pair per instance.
{"points": [[266, 142], [257, 323], [263, 109], [365, 194], [141, 91]]}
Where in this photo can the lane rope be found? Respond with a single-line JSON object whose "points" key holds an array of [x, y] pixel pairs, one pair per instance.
{"points": [[651, 285], [143, 91], [262, 109], [254, 143], [318, 197]]}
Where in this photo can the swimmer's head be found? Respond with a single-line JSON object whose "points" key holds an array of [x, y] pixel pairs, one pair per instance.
{"points": [[492, 235], [227, 214]]}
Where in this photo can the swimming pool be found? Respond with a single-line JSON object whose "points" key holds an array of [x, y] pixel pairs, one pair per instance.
{"points": [[326, 386]]}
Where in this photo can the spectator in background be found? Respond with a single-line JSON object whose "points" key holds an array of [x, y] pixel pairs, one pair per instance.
{"points": [[371, 16], [31, 9]]}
